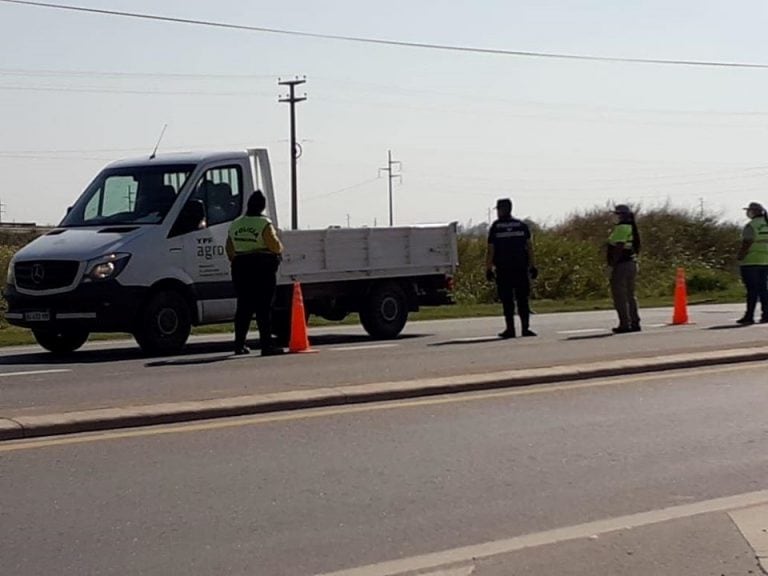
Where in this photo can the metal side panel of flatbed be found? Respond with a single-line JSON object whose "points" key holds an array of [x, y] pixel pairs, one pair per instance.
{"points": [[339, 254]]}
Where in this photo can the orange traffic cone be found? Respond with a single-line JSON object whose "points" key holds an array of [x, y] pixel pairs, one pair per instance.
{"points": [[680, 314], [299, 340]]}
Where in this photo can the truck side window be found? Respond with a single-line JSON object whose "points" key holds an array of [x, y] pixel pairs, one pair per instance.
{"points": [[220, 190]]}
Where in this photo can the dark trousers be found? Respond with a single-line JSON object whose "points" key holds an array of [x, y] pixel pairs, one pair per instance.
{"points": [[755, 280], [623, 278], [255, 279], [514, 286]]}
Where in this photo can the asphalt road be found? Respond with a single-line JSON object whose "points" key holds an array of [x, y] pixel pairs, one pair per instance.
{"points": [[520, 477], [114, 374]]}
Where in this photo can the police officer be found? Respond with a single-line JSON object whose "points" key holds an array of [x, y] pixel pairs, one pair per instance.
{"points": [[753, 260], [254, 251], [623, 248], [510, 261]]}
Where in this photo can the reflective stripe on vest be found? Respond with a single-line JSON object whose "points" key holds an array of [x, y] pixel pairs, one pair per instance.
{"points": [[758, 251], [247, 234]]}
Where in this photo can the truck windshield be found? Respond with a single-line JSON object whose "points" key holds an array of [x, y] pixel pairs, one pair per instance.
{"points": [[134, 195]]}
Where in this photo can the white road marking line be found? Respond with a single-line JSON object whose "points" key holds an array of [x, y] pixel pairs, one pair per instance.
{"points": [[753, 524], [661, 325], [473, 339], [586, 530], [463, 571], [363, 347], [583, 331], [32, 373]]}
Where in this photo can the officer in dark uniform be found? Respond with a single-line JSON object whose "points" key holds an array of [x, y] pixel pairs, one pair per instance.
{"points": [[254, 251], [510, 262]]}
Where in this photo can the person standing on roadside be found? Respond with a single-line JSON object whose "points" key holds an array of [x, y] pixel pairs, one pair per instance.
{"points": [[510, 262], [753, 261], [254, 250], [622, 250]]}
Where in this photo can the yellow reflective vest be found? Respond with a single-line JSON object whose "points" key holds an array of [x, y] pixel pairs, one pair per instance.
{"points": [[247, 234], [758, 251]]}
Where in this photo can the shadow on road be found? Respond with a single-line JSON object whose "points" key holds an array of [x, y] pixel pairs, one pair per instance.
{"points": [[590, 336], [460, 341], [729, 326], [123, 352]]}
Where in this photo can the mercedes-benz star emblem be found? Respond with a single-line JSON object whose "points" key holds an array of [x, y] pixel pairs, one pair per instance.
{"points": [[38, 273]]}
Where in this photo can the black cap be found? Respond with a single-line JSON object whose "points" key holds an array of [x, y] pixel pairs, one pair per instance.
{"points": [[504, 203]]}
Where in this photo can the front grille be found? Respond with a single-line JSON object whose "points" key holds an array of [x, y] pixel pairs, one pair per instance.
{"points": [[45, 274]]}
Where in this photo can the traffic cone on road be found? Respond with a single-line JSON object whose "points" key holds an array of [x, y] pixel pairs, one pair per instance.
{"points": [[299, 341], [680, 314]]}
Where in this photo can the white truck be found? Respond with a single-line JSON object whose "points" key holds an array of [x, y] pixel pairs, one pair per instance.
{"points": [[142, 251]]}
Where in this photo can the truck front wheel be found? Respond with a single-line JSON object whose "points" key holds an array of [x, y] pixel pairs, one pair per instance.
{"points": [[164, 324], [384, 312], [61, 341]]}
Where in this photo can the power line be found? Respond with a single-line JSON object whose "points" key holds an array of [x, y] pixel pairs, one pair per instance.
{"points": [[340, 190], [385, 42], [90, 90], [23, 72]]}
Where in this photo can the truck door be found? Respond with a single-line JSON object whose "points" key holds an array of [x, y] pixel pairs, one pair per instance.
{"points": [[220, 190]]}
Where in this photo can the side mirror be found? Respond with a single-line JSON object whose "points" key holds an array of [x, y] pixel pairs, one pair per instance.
{"points": [[191, 218]]}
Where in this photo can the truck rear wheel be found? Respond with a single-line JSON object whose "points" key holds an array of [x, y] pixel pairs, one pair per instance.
{"points": [[384, 312], [164, 324], [61, 341]]}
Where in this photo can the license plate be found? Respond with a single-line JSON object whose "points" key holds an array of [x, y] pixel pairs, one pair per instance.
{"points": [[37, 316]]}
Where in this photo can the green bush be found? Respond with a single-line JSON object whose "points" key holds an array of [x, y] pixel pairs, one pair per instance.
{"points": [[9, 245], [571, 256]]}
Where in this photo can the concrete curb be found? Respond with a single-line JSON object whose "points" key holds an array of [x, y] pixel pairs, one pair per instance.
{"points": [[132, 416]]}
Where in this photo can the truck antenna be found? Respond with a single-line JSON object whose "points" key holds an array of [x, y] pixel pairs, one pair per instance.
{"points": [[162, 133]]}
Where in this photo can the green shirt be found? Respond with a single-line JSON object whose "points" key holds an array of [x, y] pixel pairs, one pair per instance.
{"points": [[756, 231], [247, 234]]}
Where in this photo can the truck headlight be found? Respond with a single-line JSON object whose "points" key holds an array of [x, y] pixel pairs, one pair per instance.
{"points": [[106, 267], [10, 276]]}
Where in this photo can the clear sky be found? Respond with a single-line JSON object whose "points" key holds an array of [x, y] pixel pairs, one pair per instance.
{"points": [[557, 136]]}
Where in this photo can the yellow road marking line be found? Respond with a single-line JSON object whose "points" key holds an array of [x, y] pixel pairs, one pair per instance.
{"points": [[236, 422]]}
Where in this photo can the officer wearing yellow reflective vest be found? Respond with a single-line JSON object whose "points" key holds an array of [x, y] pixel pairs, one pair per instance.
{"points": [[753, 260], [623, 248], [254, 250]]}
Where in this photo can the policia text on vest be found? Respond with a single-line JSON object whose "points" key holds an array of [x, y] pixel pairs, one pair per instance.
{"points": [[254, 250]]}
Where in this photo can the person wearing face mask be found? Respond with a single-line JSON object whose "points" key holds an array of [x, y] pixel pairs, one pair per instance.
{"points": [[753, 262], [622, 250]]}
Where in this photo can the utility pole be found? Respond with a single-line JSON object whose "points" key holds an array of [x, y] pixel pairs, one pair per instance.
{"points": [[348, 221], [292, 99], [2, 211], [391, 175]]}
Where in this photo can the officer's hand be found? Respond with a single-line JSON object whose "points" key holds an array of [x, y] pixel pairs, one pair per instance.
{"points": [[534, 272], [489, 275]]}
